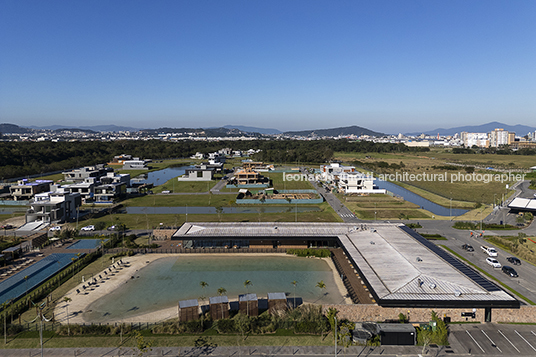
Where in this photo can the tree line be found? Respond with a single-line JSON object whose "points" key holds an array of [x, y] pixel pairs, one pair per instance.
{"points": [[19, 159]]}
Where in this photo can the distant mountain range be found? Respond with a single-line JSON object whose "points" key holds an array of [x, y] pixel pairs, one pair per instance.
{"points": [[13, 129], [343, 131], [241, 130], [252, 129], [97, 128], [484, 128]]}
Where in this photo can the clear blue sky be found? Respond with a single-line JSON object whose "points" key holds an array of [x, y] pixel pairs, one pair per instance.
{"points": [[391, 66]]}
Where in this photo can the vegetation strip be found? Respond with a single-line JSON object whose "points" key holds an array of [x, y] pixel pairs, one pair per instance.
{"points": [[487, 274]]}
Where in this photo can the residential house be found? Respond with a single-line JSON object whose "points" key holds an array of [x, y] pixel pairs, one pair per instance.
{"points": [[119, 160], [216, 157], [136, 164], [201, 173], [58, 205], [24, 190], [79, 175], [108, 193], [332, 171], [249, 177], [86, 189], [356, 182], [198, 156]]}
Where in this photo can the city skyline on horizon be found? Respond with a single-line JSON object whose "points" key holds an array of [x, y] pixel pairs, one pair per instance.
{"points": [[385, 66]]}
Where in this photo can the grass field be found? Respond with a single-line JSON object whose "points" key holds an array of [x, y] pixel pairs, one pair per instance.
{"points": [[31, 340], [175, 185], [147, 221], [441, 192], [522, 247], [386, 207], [280, 184], [171, 200]]}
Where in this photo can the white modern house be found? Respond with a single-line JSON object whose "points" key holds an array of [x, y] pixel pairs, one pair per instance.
{"points": [[332, 171], [348, 179], [357, 182], [136, 164], [58, 205], [200, 173]]}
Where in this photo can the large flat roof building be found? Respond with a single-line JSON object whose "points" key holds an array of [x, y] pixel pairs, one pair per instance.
{"points": [[400, 267]]}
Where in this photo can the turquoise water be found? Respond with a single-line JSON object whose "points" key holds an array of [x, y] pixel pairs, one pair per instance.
{"points": [[86, 244], [164, 282]]}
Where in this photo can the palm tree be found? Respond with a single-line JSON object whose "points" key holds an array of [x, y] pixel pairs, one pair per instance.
{"points": [[247, 283], [221, 291], [321, 285], [67, 300], [26, 283], [294, 283], [203, 285]]}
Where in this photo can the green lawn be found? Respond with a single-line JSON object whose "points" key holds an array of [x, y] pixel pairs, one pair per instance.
{"points": [[464, 194], [386, 207], [175, 185], [147, 221], [280, 184], [129, 342], [171, 200]]}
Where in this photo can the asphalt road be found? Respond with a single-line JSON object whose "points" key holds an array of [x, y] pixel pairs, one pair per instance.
{"points": [[494, 339]]}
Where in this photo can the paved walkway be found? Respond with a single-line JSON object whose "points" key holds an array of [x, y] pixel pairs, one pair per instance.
{"points": [[232, 351]]}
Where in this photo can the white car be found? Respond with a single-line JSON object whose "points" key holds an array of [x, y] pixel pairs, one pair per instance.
{"points": [[88, 228], [55, 228], [493, 262]]}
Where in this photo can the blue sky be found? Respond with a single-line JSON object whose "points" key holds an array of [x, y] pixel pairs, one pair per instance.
{"points": [[391, 66]]}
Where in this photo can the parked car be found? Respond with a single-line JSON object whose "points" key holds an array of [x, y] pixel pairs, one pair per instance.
{"points": [[55, 228], [468, 247], [88, 228], [7, 226], [493, 262], [112, 228], [514, 260], [509, 271]]}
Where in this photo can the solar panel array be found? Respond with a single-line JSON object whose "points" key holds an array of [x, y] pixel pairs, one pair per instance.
{"points": [[461, 267]]}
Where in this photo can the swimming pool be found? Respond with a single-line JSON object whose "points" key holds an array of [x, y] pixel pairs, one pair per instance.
{"points": [[86, 244], [16, 286], [165, 281]]}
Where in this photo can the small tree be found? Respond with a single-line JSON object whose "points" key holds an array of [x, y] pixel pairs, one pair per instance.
{"points": [[322, 286], [243, 324], [247, 284], [67, 300], [142, 346], [294, 283], [221, 292], [219, 211], [331, 314]]}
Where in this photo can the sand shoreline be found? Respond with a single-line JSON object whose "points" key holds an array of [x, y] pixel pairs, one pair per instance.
{"points": [[81, 302]]}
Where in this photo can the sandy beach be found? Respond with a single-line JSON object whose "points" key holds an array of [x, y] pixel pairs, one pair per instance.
{"points": [[123, 273]]}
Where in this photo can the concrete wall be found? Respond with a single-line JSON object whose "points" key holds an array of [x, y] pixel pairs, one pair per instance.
{"points": [[377, 313], [163, 234]]}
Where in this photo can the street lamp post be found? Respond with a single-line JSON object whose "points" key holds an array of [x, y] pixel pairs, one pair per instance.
{"points": [[335, 317]]}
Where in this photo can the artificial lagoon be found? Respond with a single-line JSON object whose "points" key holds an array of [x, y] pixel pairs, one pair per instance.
{"points": [[162, 283]]}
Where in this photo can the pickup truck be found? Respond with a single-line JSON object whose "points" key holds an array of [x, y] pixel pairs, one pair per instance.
{"points": [[489, 251]]}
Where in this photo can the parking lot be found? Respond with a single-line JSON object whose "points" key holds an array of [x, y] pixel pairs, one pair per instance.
{"points": [[495, 339]]}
